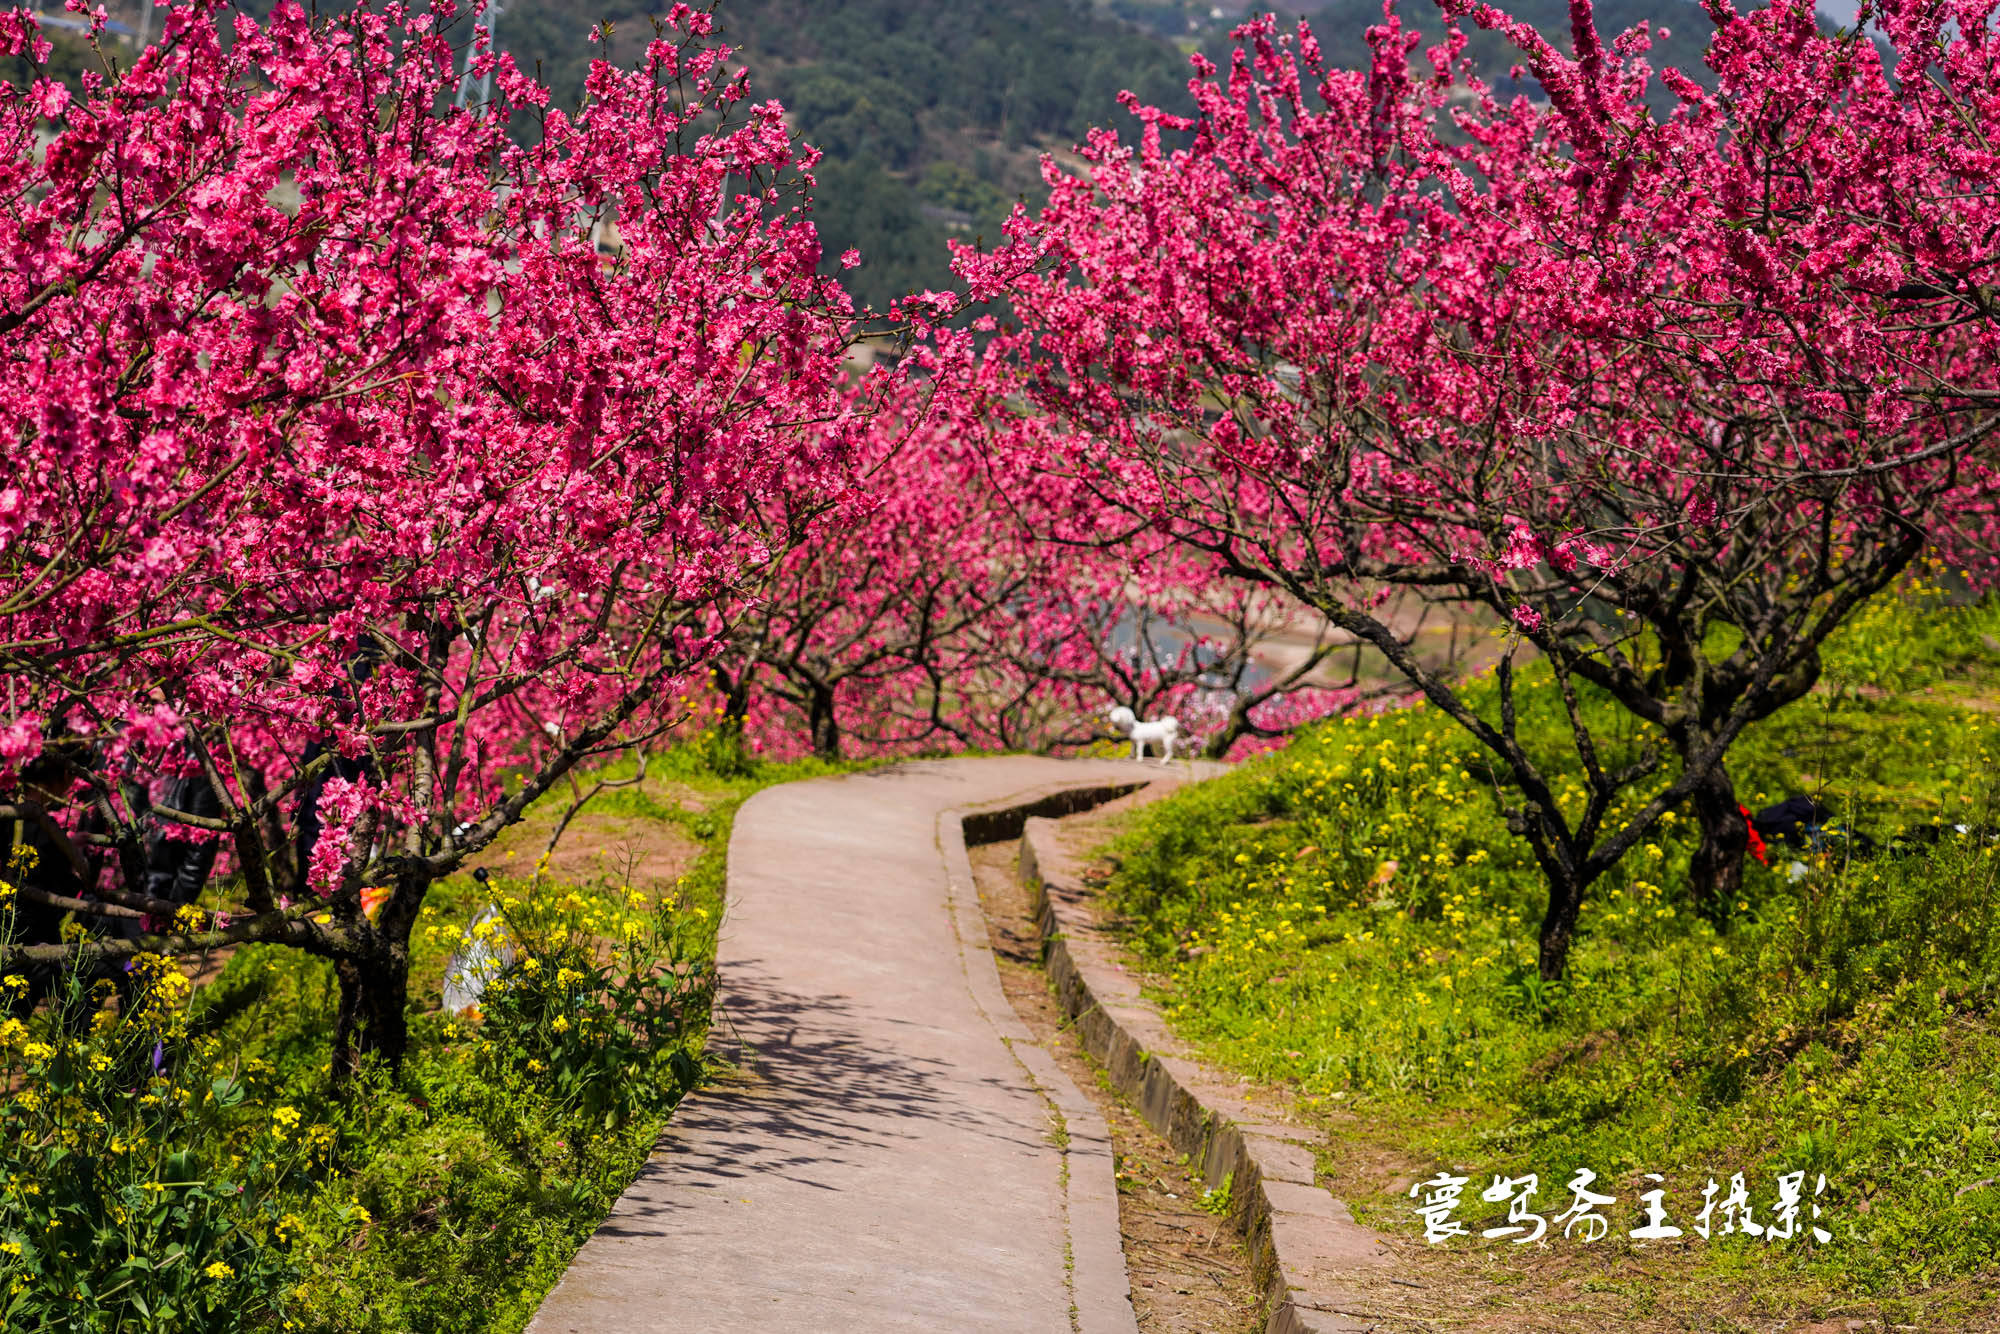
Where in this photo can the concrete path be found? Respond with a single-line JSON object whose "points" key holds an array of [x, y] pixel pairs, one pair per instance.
{"points": [[898, 1154]]}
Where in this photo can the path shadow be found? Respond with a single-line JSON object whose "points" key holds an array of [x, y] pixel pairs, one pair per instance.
{"points": [[810, 1096]]}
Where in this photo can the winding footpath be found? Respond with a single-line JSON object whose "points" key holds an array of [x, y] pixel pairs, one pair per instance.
{"points": [[896, 1153]]}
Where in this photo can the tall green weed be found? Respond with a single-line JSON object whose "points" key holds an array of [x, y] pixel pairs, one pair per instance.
{"points": [[132, 1197]]}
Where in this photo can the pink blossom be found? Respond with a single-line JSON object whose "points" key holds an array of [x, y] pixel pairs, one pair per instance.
{"points": [[340, 802], [297, 445], [20, 740], [1523, 549], [157, 728], [49, 98]]}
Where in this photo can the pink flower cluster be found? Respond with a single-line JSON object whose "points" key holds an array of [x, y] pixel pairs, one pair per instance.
{"points": [[361, 455], [1380, 327], [367, 451]]}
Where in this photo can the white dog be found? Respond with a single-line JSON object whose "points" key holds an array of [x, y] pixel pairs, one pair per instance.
{"points": [[1164, 731]]}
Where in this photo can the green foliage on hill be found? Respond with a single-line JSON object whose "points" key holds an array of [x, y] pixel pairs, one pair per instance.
{"points": [[933, 117], [1342, 26], [69, 56], [1350, 917]]}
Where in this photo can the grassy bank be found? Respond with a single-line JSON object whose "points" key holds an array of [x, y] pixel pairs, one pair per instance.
{"points": [[186, 1165], [1351, 917]]}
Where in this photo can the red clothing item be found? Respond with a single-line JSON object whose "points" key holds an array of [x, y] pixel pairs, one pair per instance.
{"points": [[1756, 839]]}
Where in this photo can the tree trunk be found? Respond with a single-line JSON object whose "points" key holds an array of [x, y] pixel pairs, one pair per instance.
{"points": [[1715, 874], [1558, 923], [825, 726], [374, 995], [736, 699], [1228, 734]]}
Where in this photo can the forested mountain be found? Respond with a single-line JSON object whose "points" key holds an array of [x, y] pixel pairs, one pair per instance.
{"points": [[1341, 26], [933, 117], [933, 114]]}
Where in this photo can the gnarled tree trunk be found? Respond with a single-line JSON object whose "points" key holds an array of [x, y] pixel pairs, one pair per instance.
{"points": [[1715, 874], [1558, 926], [824, 723], [374, 996]]}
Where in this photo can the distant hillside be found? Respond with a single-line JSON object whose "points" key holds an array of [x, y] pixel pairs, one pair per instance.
{"points": [[1341, 26], [933, 114]]}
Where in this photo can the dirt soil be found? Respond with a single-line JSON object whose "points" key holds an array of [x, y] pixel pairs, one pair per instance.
{"points": [[647, 853], [1189, 1271]]}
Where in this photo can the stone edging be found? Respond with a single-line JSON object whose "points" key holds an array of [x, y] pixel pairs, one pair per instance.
{"points": [[1306, 1249], [1100, 1288]]}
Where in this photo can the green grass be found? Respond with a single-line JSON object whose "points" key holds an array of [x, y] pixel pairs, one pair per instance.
{"points": [[1842, 1023], [444, 1200], [481, 1190]]}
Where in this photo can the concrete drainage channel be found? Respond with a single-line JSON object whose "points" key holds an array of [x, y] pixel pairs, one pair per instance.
{"points": [[1310, 1257], [997, 826]]}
